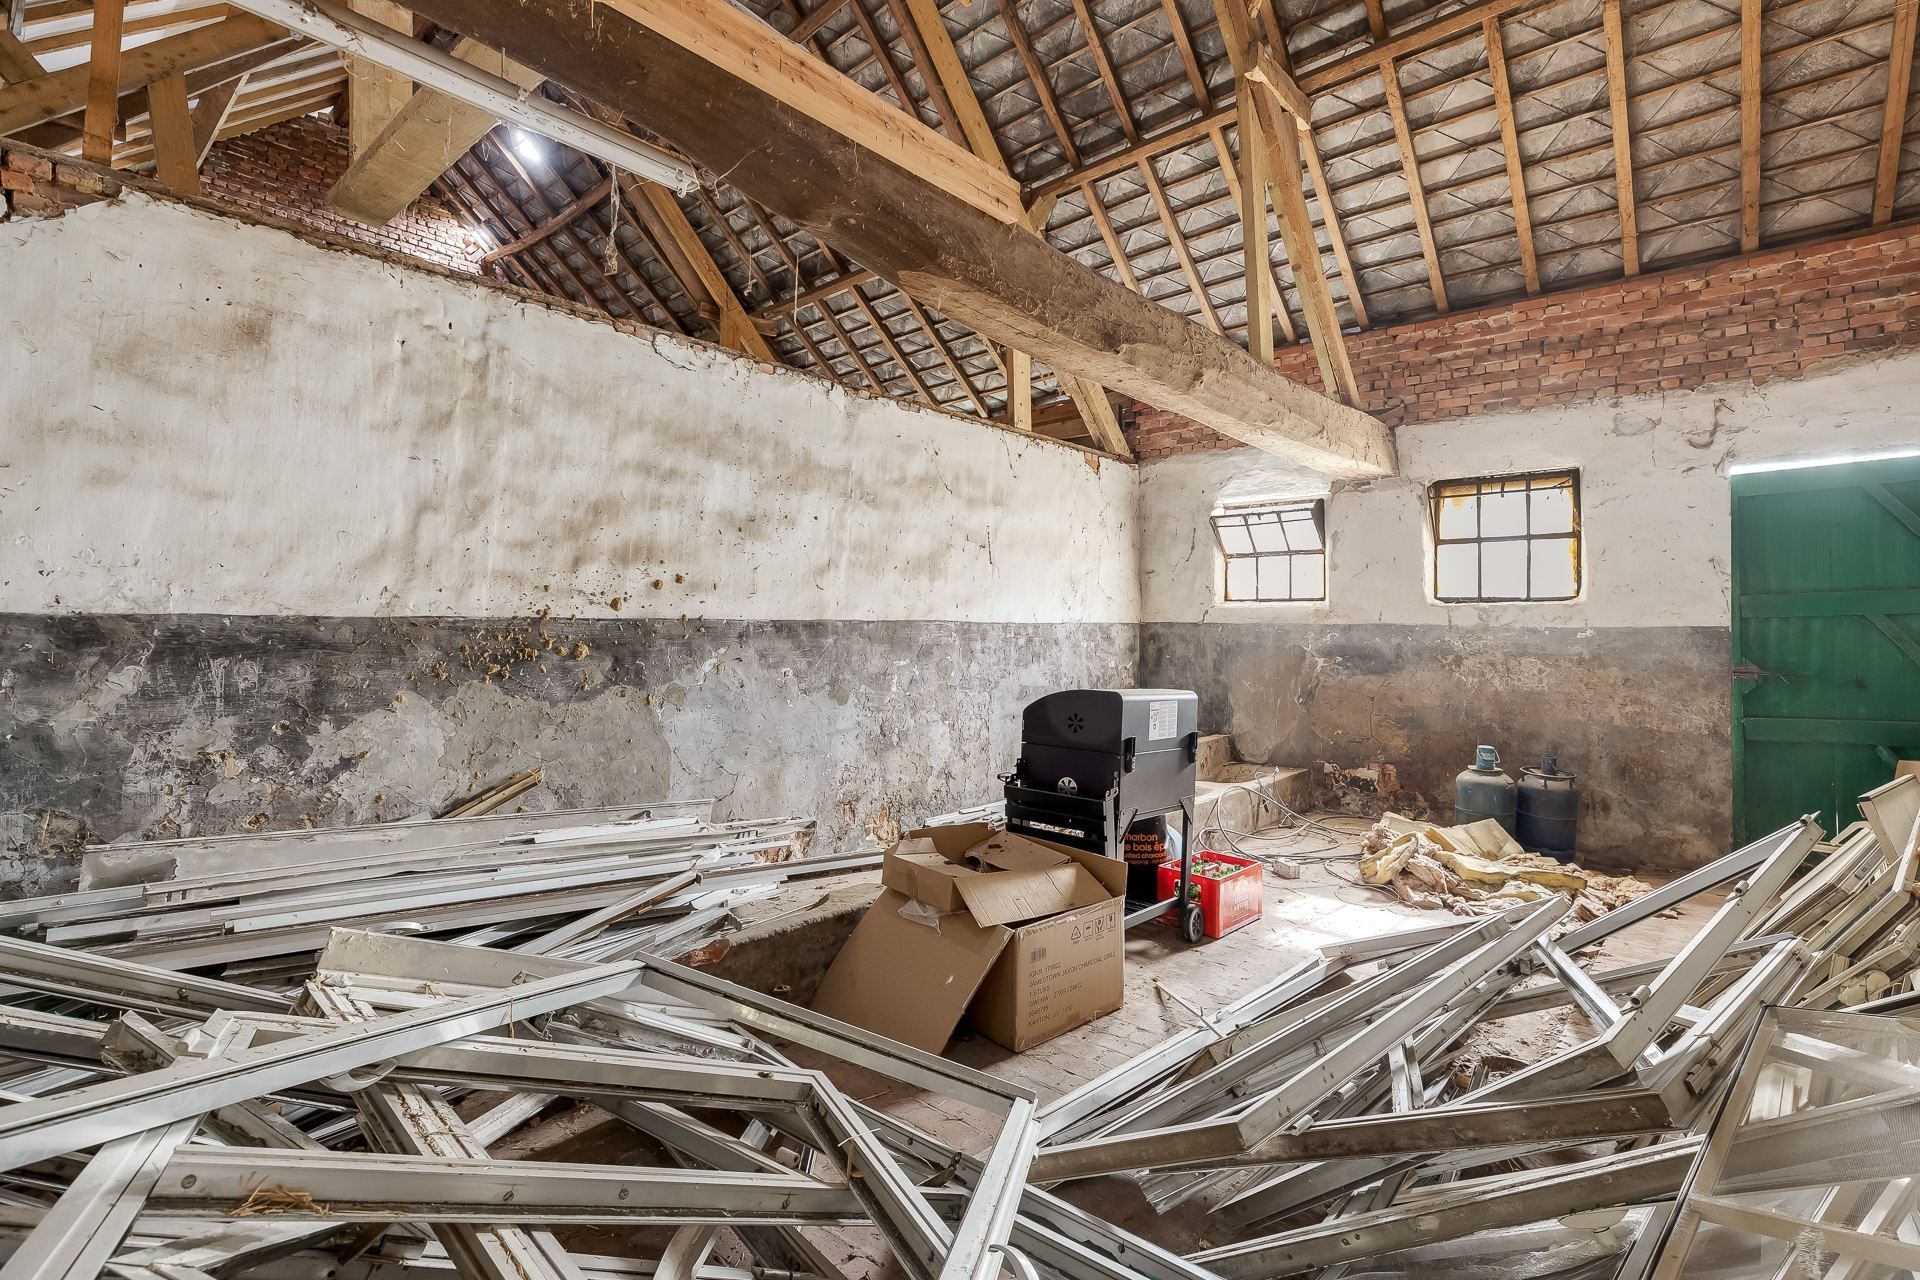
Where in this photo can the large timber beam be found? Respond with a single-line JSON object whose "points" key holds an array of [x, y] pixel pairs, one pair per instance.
{"points": [[419, 142], [991, 275]]}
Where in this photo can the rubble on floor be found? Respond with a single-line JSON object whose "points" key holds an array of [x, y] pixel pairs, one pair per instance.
{"points": [[1479, 868], [225, 1060]]}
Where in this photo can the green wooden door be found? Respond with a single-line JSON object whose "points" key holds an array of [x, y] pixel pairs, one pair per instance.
{"points": [[1826, 638]]}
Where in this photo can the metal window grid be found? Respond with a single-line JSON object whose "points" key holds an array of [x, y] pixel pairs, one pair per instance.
{"points": [[1249, 536], [1474, 492]]}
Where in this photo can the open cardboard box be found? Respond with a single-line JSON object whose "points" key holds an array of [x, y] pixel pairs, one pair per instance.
{"points": [[1021, 936]]}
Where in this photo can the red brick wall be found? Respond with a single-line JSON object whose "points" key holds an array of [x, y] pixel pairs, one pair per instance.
{"points": [[286, 169], [1780, 314]]}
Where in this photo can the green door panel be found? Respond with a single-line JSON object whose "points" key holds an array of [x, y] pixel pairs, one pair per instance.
{"points": [[1826, 638]]}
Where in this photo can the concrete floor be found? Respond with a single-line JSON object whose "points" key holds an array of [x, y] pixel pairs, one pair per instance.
{"points": [[1163, 977]]}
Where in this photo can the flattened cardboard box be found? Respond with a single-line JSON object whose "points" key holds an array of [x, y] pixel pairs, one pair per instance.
{"points": [[942, 936]]}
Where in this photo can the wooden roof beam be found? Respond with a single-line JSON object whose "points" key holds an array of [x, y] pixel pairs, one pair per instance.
{"points": [[557, 222], [375, 94], [1510, 148], [55, 94], [998, 279], [1616, 40], [1894, 121], [1416, 192], [103, 82]]}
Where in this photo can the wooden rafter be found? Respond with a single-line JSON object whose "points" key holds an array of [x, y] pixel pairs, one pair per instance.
{"points": [[538, 210], [882, 56], [103, 82], [951, 74], [809, 26], [1037, 75], [744, 256], [1416, 191], [557, 222], [862, 367], [1276, 120], [1189, 59], [1510, 148], [655, 61], [532, 263], [1177, 241], [1750, 53], [941, 349], [1122, 265], [1377, 21], [1894, 118], [923, 59], [887, 339], [1247, 182], [17, 62], [1104, 65], [171, 121], [210, 116], [1616, 40]]}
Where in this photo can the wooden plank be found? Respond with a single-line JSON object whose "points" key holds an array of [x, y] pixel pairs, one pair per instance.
{"points": [[81, 37], [935, 81], [997, 279], [176, 163], [1336, 238], [210, 116], [1416, 190], [741, 46], [1122, 265], [924, 16], [103, 82], [1622, 137], [1750, 51], [1097, 412], [420, 143], [1189, 59], [17, 62], [50, 96], [1104, 65], [551, 225], [809, 26], [1247, 183], [1037, 76], [1510, 146], [375, 94], [1177, 241], [1893, 122], [736, 327]]}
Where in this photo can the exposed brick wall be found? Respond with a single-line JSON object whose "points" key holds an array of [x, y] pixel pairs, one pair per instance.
{"points": [[35, 184], [286, 169], [1780, 314]]}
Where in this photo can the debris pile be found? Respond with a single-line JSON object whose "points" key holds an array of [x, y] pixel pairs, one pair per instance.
{"points": [[244, 1057], [1477, 868]]}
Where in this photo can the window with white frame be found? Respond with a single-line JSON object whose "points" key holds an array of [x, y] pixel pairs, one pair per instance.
{"points": [[1274, 552], [1506, 538]]}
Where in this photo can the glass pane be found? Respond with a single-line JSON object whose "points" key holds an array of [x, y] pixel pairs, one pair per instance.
{"points": [[1503, 515], [1240, 581], [1503, 570], [1554, 562], [1310, 577], [1303, 534], [1267, 534], [1456, 518], [1553, 509], [1234, 539], [1273, 577], [1457, 571]]}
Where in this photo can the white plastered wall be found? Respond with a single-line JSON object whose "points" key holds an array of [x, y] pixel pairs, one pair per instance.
{"points": [[1655, 504], [207, 416]]}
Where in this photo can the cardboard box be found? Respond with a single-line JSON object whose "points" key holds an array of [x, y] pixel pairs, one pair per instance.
{"points": [[1026, 932]]}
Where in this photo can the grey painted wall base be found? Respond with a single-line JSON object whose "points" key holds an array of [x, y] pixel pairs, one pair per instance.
{"points": [[116, 727], [1641, 714]]}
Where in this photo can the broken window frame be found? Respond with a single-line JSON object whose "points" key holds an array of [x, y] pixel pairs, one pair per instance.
{"points": [[1244, 516], [1478, 487]]}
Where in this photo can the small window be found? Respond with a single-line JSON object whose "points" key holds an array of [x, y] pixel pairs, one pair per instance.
{"points": [[1507, 538], [1275, 553]]}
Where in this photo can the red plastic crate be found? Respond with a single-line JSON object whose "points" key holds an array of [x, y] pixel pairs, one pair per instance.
{"points": [[1225, 904]]}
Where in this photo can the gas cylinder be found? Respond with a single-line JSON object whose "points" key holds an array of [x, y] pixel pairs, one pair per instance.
{"points": [[1483, 791], [1548, 813]]}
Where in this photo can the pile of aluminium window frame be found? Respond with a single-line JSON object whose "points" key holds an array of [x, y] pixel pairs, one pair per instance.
{"points": [[326, 1111]]}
